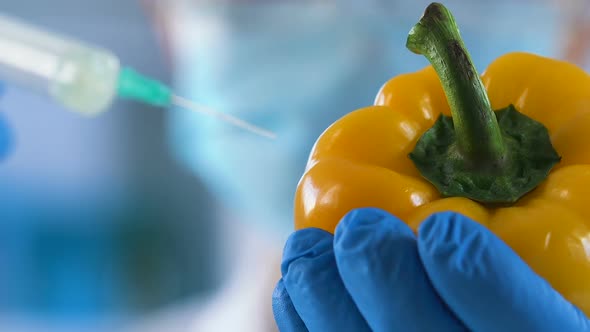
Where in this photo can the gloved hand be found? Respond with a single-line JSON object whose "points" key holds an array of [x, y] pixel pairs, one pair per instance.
{"points": [[374, 274], [4, 133]]}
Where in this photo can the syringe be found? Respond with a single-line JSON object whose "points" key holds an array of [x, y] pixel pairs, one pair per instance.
{"points": [[83, 78]]}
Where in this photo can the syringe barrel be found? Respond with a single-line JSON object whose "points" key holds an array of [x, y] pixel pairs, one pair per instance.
{"points": [[81, 77]]}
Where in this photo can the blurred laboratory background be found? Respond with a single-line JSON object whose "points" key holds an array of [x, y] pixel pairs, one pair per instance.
{"points": [[149, 219]]}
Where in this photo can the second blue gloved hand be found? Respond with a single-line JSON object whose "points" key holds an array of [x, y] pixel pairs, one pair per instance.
{"points": [[374, 274]]}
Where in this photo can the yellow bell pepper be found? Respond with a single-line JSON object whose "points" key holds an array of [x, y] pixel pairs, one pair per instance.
{"points": [[403, 154]]}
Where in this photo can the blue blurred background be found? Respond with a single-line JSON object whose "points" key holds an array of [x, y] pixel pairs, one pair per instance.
{"points": [[147, 219]]}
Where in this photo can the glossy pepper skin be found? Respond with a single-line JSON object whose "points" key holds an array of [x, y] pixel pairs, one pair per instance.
{"points": [[362, 161]]}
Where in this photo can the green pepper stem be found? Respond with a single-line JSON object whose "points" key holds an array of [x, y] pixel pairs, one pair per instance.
{"points": [[478, 136]]}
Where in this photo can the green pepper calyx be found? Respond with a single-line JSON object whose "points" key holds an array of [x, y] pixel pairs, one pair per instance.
{"points": [[487, 156]]}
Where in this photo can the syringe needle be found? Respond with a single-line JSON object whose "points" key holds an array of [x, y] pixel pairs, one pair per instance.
{"points": [[190, 105]]}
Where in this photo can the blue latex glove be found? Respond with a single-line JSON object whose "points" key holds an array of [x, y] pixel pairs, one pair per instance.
{"points": [[374, 274], [4, 133]]}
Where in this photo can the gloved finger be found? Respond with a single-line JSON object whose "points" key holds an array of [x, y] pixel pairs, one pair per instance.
{"points": [[286, 316], [313, 282], [486, 284], [377, 256]]}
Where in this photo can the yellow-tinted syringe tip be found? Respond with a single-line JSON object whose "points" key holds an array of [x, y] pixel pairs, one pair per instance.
{"points": [[192, 106]]}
